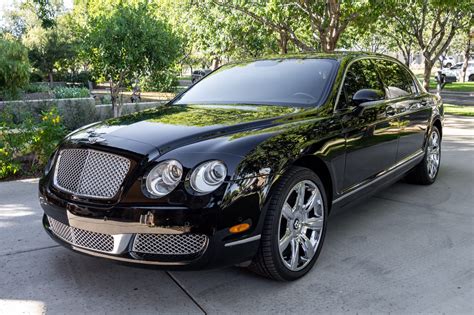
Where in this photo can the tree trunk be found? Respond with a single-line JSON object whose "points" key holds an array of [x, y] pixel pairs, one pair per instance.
{"points": [[283, 43], [114, 99], [407, 56], [328, 43], [215, 63], [427, 73], [50, 78], [467, 53]]}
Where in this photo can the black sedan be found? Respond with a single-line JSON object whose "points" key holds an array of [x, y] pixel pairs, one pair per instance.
{"points": [[245, 166]]}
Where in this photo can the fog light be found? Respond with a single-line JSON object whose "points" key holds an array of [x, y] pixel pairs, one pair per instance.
{"points": [[239, 228]]}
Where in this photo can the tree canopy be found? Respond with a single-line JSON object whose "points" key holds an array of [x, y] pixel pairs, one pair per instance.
{"points": [[14, 67], [127, 43]]}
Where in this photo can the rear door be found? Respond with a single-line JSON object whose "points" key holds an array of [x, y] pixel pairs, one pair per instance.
{"points": [[412, 107], [371, 135]]}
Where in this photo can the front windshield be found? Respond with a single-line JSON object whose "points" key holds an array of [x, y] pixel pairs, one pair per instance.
{"points": [[301, 82]]}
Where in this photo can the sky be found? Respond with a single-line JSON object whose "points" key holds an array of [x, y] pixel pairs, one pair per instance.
{"points": [[9, 4]]}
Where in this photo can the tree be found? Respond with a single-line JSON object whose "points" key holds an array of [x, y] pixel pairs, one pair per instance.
{"points": [[14, 67], [127, 43], [467, 52], [48, 47], [309, 25], [431, 24]]}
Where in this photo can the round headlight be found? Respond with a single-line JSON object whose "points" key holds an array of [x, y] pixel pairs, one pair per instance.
{"points": [[208, 176], [164, 177]]}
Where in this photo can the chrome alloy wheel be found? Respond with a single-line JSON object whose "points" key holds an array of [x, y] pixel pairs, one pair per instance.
{"points": [[433, 154], [301, 225]]}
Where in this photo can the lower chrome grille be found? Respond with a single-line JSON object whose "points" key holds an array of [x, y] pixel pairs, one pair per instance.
{"points": [[82, 238], [90, 173], [169, 244]]}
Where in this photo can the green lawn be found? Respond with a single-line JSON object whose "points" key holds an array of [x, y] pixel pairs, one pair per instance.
{"points": [[459, 110], [455, 86]]}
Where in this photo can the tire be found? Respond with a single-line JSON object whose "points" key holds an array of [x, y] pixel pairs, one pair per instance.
{"points": [[471, 78], [421, 174], [305, 227]]}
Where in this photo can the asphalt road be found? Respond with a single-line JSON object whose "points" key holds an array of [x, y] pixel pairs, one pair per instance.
{"points": [[458, 98], [409, 249]]}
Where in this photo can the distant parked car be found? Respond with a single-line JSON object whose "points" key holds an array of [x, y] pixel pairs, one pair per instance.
{"points": [[452, 74], [469, 71], [448, 61], [199, 74]]}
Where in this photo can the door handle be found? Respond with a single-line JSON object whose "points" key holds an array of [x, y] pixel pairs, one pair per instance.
{"points": [[390, 111]]}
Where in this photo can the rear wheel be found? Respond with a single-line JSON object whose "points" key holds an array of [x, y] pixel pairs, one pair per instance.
{"points": [[426, 172], [294, 227], [471, 77]]}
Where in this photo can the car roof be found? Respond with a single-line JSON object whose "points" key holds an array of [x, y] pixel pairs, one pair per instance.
{"points": [[337, 55]]}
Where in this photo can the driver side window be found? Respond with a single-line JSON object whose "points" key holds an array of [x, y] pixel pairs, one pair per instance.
{"points": [[362, 74]]}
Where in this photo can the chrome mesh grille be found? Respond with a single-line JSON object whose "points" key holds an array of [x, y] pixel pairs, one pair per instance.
{"points": [[169, 244], [90, 173], [82, 238]]}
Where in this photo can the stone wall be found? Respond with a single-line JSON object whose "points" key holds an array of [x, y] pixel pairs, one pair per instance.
{"points": [[75, 112]]}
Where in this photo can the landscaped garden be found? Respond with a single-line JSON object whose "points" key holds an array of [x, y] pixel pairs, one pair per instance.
{"points": [[62, 68]]}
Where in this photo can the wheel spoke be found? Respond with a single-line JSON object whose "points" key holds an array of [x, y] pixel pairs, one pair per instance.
{"points": [[300, 196], [287, 211], [307, 247], [285, 240], [295, 253], [314, 223], [308, 206]]}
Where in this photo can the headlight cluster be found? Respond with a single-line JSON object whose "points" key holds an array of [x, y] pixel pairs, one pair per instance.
{"points": [[205, 178], [164, 177]]}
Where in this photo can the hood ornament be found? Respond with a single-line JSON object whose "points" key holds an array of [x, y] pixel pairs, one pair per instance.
{"points": [[94, 137]]}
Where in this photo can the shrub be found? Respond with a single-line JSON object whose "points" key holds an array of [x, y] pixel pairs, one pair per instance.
{"points": [[26, 147], [70, 92], [36, 88], [14, 68], [160, 81]]}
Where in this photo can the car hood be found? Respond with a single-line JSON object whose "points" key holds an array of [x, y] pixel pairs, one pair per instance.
{"points": [[171, 126]]}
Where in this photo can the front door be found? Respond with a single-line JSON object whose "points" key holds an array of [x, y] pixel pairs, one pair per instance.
{"points": [[371, 135]]}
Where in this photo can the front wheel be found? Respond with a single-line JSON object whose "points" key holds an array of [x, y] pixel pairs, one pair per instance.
{"points": [[426, 172], [294, 227]]}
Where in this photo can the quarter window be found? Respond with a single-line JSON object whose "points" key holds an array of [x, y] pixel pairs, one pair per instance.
{"points": [[362, 74], [398, 82]]}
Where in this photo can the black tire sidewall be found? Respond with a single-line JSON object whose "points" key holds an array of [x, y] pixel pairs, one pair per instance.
{"points": [[300, 175]]}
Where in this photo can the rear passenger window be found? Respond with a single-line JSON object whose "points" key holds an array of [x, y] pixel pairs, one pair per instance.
{"points": [[398, 82]]}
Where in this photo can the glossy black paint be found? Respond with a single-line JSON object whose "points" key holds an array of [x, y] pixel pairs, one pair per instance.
{"points": [[355, 148]]}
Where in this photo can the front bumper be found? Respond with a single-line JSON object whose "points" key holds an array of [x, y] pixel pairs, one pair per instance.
{"points": [[167, 237]]}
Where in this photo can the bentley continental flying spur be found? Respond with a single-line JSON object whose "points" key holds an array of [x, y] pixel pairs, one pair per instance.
{"points": [[244, 167]]}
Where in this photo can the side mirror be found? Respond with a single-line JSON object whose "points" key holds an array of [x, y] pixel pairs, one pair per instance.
{"points": [[367, 95]]}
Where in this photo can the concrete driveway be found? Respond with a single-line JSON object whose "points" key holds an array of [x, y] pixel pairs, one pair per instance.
{"points": [[409, 249]]}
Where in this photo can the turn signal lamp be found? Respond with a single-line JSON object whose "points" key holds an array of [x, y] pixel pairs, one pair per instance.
{"points": [[239, 228]]}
